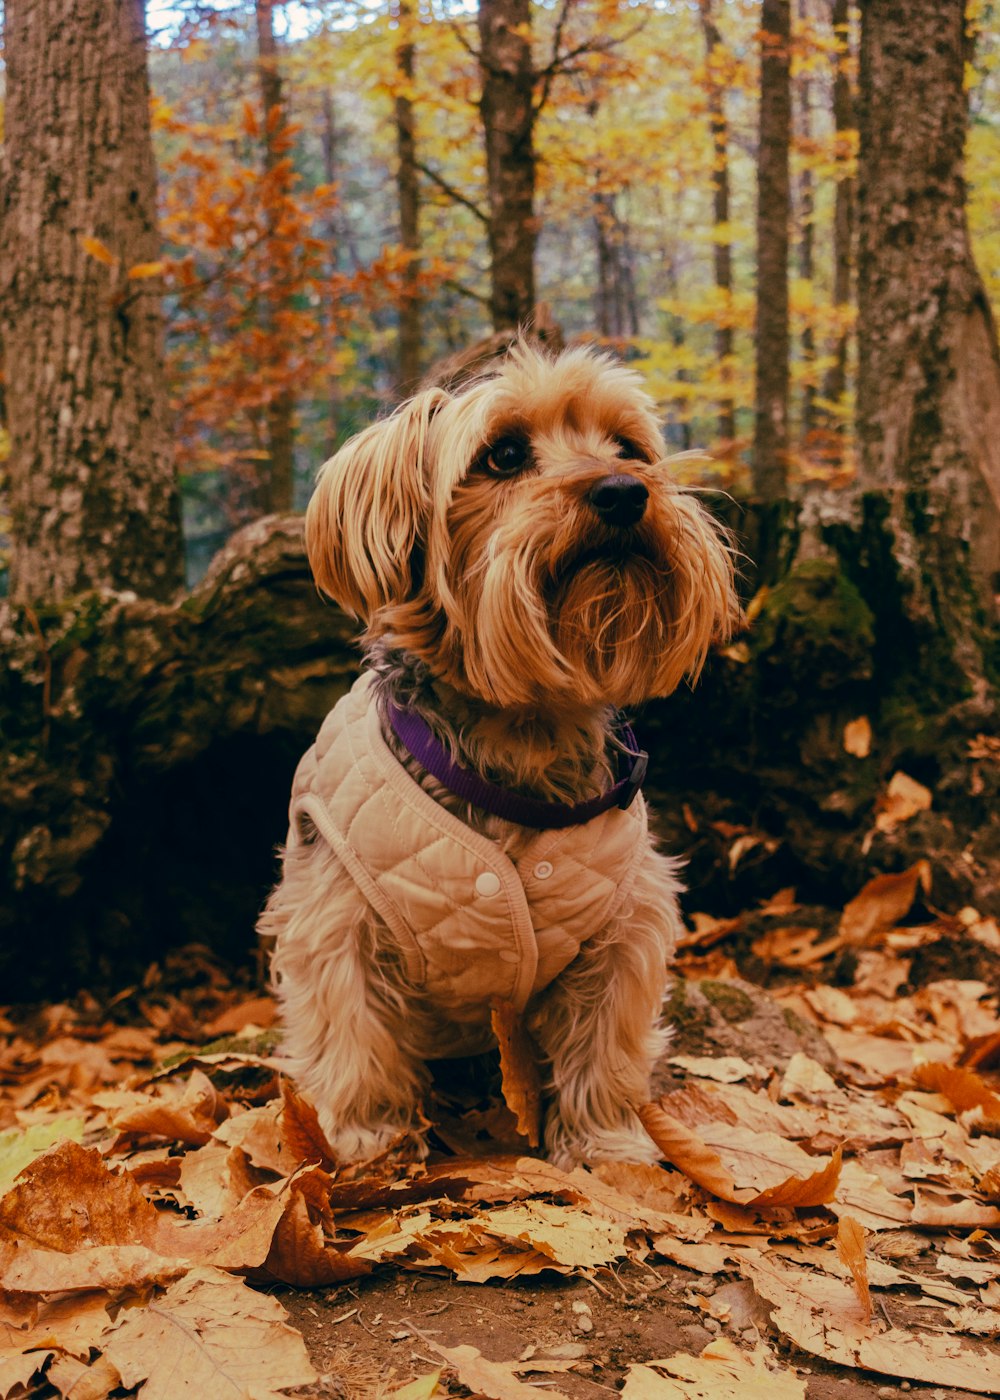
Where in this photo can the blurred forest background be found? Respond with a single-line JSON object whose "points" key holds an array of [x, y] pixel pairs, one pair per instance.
{"points": [[327, 217], [232, 233]]}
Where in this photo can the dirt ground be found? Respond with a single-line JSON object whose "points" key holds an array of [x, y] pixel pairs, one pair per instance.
{"points": [[366, 1338]]}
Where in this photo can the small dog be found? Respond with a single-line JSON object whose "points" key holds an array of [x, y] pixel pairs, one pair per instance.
{"points": [[467, 831]]}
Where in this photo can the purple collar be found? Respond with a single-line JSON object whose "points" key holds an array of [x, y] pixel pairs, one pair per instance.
{"points": [[416, 736]]}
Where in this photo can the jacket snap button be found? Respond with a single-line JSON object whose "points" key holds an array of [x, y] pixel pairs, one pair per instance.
{"points": [[487, 884], [543, 870]]}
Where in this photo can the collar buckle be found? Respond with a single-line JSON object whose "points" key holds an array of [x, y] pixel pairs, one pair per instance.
{"points": [[634, 780]]}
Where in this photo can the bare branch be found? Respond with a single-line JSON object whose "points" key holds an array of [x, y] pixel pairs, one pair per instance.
{"points": [[454, 195]]}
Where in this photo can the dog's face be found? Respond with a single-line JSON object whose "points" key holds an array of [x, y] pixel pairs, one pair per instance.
{"points": [[524, 538]]}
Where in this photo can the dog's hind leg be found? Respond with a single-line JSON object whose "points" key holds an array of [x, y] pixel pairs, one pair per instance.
{"points": [[598, 1026], [344, 1005]]}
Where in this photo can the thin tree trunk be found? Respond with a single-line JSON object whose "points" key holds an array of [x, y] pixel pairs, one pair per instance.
{"points": [[806, 204], [929, 371], [835, 383], [329, 145], [508, 117], [93, 488], [408, 188], [278, 491], [722, 250], [770, 459]]}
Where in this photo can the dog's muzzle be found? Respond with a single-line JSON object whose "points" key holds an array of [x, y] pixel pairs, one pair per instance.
{"points": [[619, 499]]}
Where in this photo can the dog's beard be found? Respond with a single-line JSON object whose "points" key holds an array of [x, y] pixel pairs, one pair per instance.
{"points": [[592, 617]]}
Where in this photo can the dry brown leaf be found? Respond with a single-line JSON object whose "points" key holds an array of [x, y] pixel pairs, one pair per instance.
{"points": [[795, 947], [70, 1324], [764, 1160], [721, 1372], [685, 1150], [190, 1119], [209, 1335], [820, 1314], [708, 931], [966, 1091], [17, 1368], [78, 1382], [256, 1011], [903, 799], [494, 1379], [883, 902], [851, 1249], [301, 1132], [857, 738], [521, 1085]]}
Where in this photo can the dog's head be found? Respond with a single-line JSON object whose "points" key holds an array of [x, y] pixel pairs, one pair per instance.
{"points": [[525, 539]]}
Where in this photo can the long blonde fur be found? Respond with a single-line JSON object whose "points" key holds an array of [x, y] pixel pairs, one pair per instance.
{"points": [[514, 619]]}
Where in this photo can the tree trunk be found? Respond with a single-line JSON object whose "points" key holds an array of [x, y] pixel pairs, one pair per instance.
{"points": [[929, 369], [329, 145], [770, 457], [806, 213], [835, 383], [93, 488], [508, 117], [408, 189], [149, 748], [723, 252], [278, 490]]}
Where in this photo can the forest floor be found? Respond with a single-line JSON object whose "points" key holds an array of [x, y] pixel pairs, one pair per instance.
{"points": [[827, 1221]]}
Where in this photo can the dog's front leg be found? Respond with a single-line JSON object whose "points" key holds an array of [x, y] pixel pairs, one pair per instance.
{"points": [[343, 1003], [599, 1028]]}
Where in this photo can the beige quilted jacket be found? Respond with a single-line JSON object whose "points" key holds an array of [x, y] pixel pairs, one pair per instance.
{"points": [[475, 926]]}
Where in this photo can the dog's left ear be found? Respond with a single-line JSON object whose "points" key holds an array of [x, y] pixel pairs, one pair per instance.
{"points": [[367, 515]]}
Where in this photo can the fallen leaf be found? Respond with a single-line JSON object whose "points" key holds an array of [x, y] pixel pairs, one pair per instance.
{"points": [[300, 1130], [423, 1388], [966, 1091], [520, 1082], [903, 799], [820, 1314], [858, 737], [883, 902], [494, 1379], [208, 1335], [851, 1248], [721, 1372]]}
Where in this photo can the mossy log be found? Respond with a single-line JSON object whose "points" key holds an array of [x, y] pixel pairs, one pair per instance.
{"points": [[147, 749]]}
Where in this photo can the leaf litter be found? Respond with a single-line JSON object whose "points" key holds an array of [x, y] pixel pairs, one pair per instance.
{"points": [[155, 1189]]}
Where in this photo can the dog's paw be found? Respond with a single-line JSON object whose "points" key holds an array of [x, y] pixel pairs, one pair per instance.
{"points": [[359, 1143], [625, 1144]]}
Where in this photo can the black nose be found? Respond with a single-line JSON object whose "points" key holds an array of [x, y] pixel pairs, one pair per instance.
{"points": [[619, 499]]}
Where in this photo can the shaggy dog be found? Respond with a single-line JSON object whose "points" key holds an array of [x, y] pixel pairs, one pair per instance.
{"points": [[467, 836]]}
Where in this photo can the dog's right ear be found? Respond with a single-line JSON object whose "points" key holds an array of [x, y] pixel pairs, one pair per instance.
{"points": [[367, 515]]}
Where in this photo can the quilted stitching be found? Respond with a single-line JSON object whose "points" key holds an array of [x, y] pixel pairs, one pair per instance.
{"points": [[470, 952]]}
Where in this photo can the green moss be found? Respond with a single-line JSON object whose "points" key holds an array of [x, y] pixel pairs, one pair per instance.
{"points": [[816, 624], [731, 1003], [795, 1023], [689, 1021], [263, 1044]]}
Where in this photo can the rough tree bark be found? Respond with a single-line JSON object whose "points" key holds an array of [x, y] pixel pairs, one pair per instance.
{"points": [[408, 192], [722, 250], [835, 382], [806, 213], [929, 368], [92, 482], [328, 141], [277, 490], [508, 116], [770, 468]]}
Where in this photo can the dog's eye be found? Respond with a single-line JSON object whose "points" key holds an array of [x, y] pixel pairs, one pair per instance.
{"points": [[629, 451], [507, 456]]}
